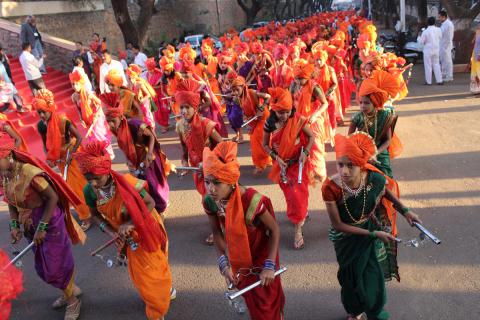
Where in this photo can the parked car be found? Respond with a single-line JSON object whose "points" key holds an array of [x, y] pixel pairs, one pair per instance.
{"points": [[196, 42], [259, 24]]}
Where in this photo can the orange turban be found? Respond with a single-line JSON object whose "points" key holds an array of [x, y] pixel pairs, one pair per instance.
{"points": [[188, 93], [93, 158], [225, 58], [379, 87], [363, 41], [114, 77], [331, 49], [242, 47], [280, 52], [256, 47], [166, 64], [134, 71], [239, 82], [187, 53], [113, 107], [169, 52], [76, 76], [44, 101], [150, 64], [303, 69], [321, 55], [7, 144], [358, 147], [222, 163], [281, 99]]}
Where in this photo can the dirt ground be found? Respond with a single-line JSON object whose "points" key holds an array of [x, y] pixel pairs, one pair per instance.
{"points": [[439, 178]]}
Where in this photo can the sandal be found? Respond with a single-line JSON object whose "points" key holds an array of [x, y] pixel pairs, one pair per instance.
{"points": [[299, 244], [86, 224], [209, 240], [62, 300], [73, 310]]}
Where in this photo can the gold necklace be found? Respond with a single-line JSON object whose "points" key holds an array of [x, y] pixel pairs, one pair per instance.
{"points": [[371, 122], [362, 216]]}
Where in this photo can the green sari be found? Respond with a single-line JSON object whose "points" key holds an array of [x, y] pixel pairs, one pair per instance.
{"points": [[365, 263], [386, 120]]}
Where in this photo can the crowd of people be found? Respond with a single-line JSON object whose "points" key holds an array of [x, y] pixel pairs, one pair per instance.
{"points": [[287, 86]]}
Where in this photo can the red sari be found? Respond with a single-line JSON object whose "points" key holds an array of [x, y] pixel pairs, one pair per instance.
{"points": [[264, 303], [196, 136], [287, 142], [249, 103], [162, 114]]}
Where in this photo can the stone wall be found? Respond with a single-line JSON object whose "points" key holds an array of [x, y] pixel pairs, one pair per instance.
{"points": [[58, 51]]}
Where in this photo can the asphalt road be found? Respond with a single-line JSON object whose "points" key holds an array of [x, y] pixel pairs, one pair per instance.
{"points": [[439, 177]]}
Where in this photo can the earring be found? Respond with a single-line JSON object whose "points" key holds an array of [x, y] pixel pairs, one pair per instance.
{"points": [[233, 187], [11, 160]]}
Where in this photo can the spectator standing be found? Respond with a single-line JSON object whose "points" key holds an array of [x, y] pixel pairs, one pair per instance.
{"points": [[31, 68], [29, 33], [83, 54], [140, 57], [79, 66], [446, 46], [109, 64], [6, 63], [430, 38]]}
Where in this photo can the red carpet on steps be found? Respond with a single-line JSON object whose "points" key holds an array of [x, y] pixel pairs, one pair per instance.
{"points": [[57, 82]]}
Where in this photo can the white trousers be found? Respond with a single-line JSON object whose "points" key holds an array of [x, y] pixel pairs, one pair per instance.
{"points": [[446, 62], [431, 60]]}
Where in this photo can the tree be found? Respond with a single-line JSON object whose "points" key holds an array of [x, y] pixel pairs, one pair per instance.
{"points": [[462, 14], [251, 12], [133, 31]]}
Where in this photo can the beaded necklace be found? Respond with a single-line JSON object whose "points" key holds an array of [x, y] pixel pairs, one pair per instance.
{"points": [[355, 193]]}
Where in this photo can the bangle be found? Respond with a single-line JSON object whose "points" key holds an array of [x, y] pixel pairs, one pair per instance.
{"points": [[42, 226], [404, 210], [273, 155], [269, 264], [14, 224], [372, 234], [102, 226], [223, 263]]}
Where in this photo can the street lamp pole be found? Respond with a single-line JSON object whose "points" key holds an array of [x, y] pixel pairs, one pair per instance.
{"points": [[218, 17]]}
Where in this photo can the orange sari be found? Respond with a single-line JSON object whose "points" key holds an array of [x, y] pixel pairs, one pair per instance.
{"points": [[249, 103], [149, 271], [320, 127], [75, 179]]}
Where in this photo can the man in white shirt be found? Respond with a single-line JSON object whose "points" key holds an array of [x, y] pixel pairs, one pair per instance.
{"points": [[31, 68], [140, 57], [446, 46], [430, 39], [109, 64]]}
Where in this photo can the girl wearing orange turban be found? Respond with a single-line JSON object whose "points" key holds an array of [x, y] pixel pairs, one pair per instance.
{"points": [[39, 200], [91, 112], [249, 101], [154, 79], [363, 228], [310, 102], [243, 224], [61, 140], [374, 119], [282, 73], [144, 94], [195, 132], [139, 143], [131, 107], [286, 134], [345, 82], [233, 109], [121, 205], [263, 65]]}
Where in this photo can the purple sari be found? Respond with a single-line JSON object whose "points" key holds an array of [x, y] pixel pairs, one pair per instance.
{"points": [[53, 259], [155, 174]]}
